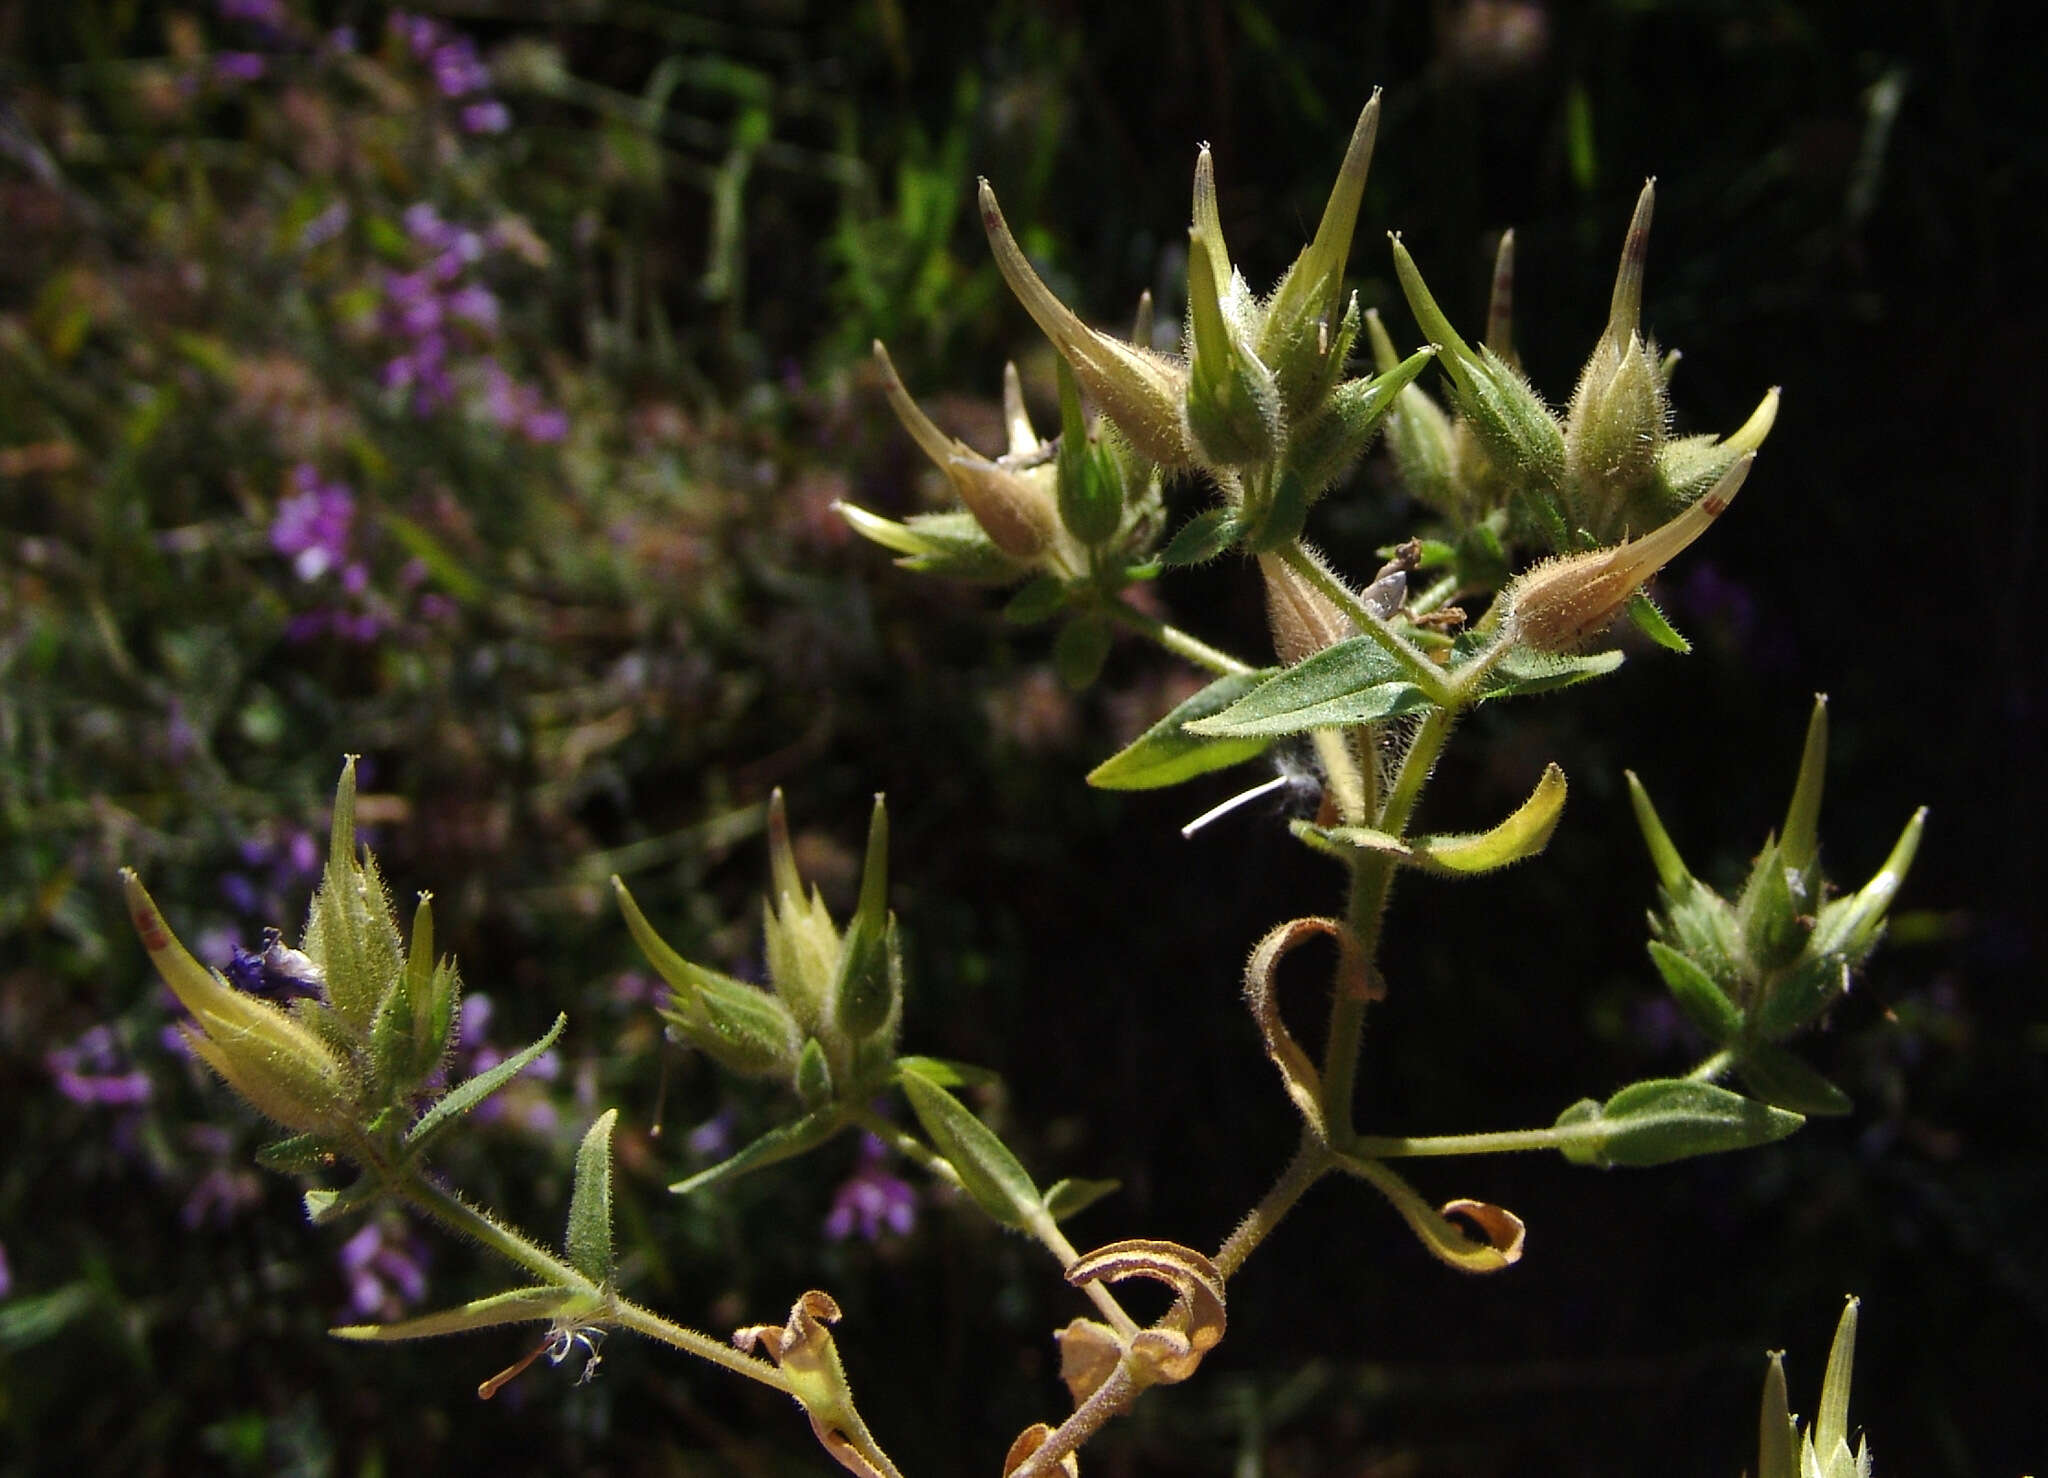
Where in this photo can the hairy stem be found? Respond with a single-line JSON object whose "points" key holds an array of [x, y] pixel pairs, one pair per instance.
{"points": [[451, 1211], [1176, 641], [1048, 1233], [1424, 673], [1310, 1162]]}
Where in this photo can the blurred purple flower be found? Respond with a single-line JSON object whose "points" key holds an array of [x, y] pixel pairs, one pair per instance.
{"points": [[476, 304], [712, 1139], [259, 12], [489, 116], [312, 526], [458, 71], [871, 1200], [324, 227], [6, 1274], [219, 1196], [94, 1071], [238, 66], [420, 33], [386, 1268]]}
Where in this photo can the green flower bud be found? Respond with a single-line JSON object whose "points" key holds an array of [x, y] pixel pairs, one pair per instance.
{"points": [[867, 992], [1421, 438], [1142, 392], [740, 1026], [1689, 465], [1296, 338], [1233, 406], [1512, 425], [1091, 478], [1616, 424], [1325, 445]]}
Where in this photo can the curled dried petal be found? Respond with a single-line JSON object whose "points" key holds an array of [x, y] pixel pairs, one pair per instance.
{"points": [[1029, 1441], [1195, 1324]]}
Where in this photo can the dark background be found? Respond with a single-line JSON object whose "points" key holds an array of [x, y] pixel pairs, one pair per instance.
{"points": [[1848, 203]]}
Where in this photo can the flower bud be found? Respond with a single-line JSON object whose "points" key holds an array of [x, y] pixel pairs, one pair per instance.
{"points": [[1616, 424], [1339, 430], [1420, 437], [1689, 465], [1512, 425], [1295, 338], [264, 1051], [867, 990], [1233, 406], [1302, 619], [1561, 604], [1140, 391], [1091, 478], [1015, 506]]}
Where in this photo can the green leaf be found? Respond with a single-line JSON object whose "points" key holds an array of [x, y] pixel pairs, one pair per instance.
{"points": [[1703, 1001], [1524, 671], [589, 1239], [746, 1029], [1777, 1077], [944, 1072], [1667, 1119], [1040, 600], [1166, 754], [1654, 624], [349, 928], [785, 1141], [519, 1306], [297, 1154], [1201, 538], [473, 1091], [1353, 682], [991, 1174], [1065, 1197], [1522, 835], [1080, 651], [867, 988]]}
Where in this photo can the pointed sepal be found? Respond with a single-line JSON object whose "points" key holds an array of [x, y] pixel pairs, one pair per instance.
{"points": [[588, 1241]]}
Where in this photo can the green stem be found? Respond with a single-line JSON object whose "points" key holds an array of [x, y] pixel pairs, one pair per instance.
{"points": [[1503, 1141], [449, 1209], [1712, 1068], [1372, 879], [1424, 673], [1307, 1167], [1042, 1227], [1176, 641]]}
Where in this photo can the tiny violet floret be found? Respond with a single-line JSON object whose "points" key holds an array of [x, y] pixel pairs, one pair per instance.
{"points": [[279, 972], [871, 1200]]}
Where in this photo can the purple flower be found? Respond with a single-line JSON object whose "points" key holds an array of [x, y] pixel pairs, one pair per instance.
{"points": [[312, 526], [476, 304], [238, 66], [219, 1196], [489, 116], [871, 1199], [457, 69], [545, 426], [386, 1270], [420, 34], [712, 1139], [324, 227], [94, 1071], [279, 973], [257, 12], [6, 1275]]}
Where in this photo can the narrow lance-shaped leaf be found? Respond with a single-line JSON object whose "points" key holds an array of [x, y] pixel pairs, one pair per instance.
{"points": [[589, 1239], [1065, 1198], [467, 1094], [1801, 842], [1667, 1119], [519, 1306], [1698, 995], [1521, 835], [1355, 681], [1777, 1077], [863, 994], [990, 1173], [1167, 754], [783, 1142]]}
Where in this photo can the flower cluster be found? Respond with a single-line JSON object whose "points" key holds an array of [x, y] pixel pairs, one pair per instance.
{"points": [[95, 1071], [459, 73], [315, 527], [445, 320]]}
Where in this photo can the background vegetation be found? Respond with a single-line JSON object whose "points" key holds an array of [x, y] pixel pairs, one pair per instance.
{"points": [[469, 388]]}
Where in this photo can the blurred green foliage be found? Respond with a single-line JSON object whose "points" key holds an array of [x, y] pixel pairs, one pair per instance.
{"points": [[572, 655]]}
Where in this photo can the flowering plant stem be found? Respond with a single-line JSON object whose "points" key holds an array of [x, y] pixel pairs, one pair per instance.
{"points": [[451, 1211]]}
